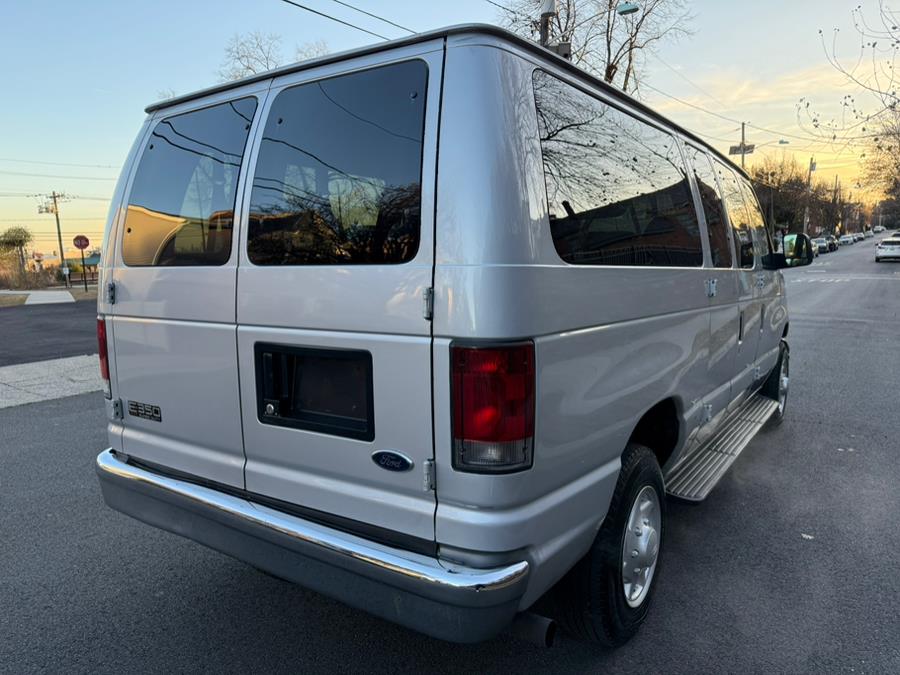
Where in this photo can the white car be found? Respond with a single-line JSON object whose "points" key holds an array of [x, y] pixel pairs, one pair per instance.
{"points": [[847, 239], [889, 249], [878, 228]]}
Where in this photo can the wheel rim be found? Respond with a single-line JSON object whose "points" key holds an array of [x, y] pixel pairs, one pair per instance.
{"points": [[783, 382], [640, 548]]}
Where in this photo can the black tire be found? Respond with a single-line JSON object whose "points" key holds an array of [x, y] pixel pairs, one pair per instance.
{"points": [[771, 388], [590, 600]]}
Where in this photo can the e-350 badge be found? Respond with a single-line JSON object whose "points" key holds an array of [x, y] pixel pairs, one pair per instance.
{"points": [[145, 411]]}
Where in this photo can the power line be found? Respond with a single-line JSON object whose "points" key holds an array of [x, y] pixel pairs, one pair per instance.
{"points": [[51, 175], [80, 166], [44, 220], [374, 16], [692, 105], [334, 18], [689, 81]]}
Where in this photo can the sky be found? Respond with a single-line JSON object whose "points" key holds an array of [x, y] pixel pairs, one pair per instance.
{"points": [[78, 75]]}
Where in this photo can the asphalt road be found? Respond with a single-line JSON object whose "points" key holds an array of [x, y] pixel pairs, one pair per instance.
{"points": [[40, 332], [791, 564]]}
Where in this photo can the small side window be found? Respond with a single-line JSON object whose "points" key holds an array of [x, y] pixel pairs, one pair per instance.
{"points": [[181, 206], [757, 220], [737, 214], [716, 225]]}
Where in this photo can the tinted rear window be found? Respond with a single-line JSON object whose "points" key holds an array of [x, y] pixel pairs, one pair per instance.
{"points": [[617, 189], [338, 179], [181, 207]]}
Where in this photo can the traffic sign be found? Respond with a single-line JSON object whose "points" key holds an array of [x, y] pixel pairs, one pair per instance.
{"points": [[746, 149], [81, 242]]}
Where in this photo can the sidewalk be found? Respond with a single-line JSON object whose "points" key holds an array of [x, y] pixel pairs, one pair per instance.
{"points": [[46, 380], [42, 297]]}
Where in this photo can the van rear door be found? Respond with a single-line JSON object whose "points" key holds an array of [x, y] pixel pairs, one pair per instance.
{"points": [[336, 267], [175, 266]]}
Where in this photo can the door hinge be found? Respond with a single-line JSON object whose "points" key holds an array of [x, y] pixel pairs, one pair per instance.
{"points": [[428, 468], [710, 288], [111, 293], [116, 409], [707, 413], [428, 303], [757, 374]]}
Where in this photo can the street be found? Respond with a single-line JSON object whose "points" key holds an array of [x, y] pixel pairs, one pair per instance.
{"points": [[39, 332], [790, 565]]}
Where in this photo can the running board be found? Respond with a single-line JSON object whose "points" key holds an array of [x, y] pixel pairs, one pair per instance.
{"points": [[697, 474]]}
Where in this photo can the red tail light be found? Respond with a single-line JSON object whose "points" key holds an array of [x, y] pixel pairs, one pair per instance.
{"points": [[492, 391], [104, 355]]}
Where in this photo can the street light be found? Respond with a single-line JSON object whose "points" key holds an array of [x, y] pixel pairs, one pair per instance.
{"points": [[780, 141], [626, 8]]}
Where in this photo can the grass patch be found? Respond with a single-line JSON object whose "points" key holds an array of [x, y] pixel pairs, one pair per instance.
{"points": [[12, 300], [80, 294]]}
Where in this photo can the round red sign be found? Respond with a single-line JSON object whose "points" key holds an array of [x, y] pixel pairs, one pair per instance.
{"points": [[81, 242]]}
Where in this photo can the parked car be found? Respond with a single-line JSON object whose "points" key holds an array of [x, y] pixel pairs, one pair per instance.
{"points": [[820, 245], [343, 341], [888, 249], [868, 234], [858, 236], [847, 239], [832, 242], [878, 228]]}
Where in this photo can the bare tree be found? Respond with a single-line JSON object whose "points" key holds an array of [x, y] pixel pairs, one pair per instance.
{"points": [[311, 50], [249, 54], [258, 52], [603, 42], [871, 125]]}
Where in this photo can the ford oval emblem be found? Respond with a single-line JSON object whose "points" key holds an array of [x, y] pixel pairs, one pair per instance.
{"points": [[392, 461]]}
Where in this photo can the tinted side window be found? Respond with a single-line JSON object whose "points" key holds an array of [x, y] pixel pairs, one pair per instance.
{"points": [[181, 207], [716, 225], [737, 214], [338, 177], [757, 220], [617, 190]]}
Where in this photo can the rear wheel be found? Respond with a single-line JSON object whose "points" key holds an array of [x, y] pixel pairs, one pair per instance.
{"points": [[606, 596], [776, 387]]}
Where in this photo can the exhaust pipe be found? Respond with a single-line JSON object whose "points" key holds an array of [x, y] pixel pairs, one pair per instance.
{"points": [[534, 628]]}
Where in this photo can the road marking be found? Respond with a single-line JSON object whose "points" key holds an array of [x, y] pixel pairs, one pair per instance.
{"points": [[833, 279], [48, 380]]}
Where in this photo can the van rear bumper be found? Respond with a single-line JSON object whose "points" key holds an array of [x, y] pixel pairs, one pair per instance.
{"points": [[442, 599]]}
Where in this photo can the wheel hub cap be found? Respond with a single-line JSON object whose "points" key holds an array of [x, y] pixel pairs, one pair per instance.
{"points": [[640, 548], [783, 381]]}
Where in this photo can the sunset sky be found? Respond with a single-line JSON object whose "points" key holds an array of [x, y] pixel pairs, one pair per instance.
{"points": [[77, 77]]}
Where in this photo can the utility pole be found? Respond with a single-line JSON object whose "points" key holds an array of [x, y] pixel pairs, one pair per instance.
{"points": [[743, 143], [548, 11], [812, 167], [62, 257], [52, 206]]}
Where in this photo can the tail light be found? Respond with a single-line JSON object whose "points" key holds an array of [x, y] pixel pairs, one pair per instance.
{"points": [[104, 355], [492, 391]]}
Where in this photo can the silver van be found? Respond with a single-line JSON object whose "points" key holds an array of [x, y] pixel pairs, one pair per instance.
{"points": [[434, 327]]}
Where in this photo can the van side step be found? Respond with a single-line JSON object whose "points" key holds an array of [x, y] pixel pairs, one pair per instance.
{"points": [[697, 474]]}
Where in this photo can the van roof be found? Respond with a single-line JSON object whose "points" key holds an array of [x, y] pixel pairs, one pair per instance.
{"points": [[472, 28]]}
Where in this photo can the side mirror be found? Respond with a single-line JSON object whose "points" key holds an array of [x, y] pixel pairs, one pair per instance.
{"points": [[798, 250]]}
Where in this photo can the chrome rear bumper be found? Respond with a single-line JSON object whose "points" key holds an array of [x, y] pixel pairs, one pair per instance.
{"points": [[433, 596]]}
